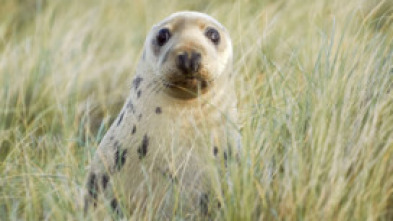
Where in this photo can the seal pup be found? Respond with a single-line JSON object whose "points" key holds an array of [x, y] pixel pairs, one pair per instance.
{"points": [[177, 123]]}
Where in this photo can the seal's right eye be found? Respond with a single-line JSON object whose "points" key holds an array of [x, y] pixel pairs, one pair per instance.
{"points": [[163, 36]]}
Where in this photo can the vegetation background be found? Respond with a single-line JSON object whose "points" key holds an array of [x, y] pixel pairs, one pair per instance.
{"points": [[315, 85]]}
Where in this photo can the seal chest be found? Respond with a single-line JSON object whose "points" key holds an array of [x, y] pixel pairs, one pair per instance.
{"points": [[178, 121]]}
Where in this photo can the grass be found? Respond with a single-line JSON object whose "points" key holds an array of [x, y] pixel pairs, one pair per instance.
{"points": [[314, 81]]}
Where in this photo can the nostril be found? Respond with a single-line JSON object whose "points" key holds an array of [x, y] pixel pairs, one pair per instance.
{"points": [[181, 61], [195, 61]]}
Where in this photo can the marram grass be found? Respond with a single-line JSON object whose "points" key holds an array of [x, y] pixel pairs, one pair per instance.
{"points": [[314, 81]]}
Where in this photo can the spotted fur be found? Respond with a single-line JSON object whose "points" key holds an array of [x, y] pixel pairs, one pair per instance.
{"points": [[120, 118], [92, 186], [158, 110], [142, 150], [215, 150], [120, 158], [137, 82], [105, 180], [133, 129]]}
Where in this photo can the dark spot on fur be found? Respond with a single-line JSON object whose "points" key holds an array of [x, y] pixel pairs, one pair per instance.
{"points": [[139, 117], [158, 110], [115, 206], [138, 94], [137, 82], [144, 54], [111, 138], [133, 129], [204, 203], [120, 118], [105, 180], [219, 205], [130, 106], [114, 203], [123, 157], [225, 158], [92, 186], [215, 150], [120, 158], [142, 150]]}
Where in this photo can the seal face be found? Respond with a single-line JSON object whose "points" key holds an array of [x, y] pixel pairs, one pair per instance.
{"points": [[179, 117], [190, 50]]}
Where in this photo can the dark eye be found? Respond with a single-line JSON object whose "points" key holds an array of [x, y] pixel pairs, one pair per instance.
{"points": [[213, 35], [163, 36]]}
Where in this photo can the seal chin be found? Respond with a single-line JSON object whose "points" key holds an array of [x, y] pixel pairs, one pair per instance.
{"points": [[187, 87]]}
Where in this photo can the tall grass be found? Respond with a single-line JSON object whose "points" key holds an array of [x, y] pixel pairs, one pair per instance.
{"points": [[315, 85]]}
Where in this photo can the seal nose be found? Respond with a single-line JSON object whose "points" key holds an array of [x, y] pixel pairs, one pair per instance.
{"points": [[188, 62]]}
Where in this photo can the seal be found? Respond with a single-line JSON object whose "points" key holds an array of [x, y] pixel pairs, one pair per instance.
{"points": [[177, 124]]}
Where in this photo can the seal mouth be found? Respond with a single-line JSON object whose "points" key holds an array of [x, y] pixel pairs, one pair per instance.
{"points": [[190, 83], [187, 87]]}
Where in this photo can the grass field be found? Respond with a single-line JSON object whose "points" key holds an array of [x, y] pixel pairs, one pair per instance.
{"points": [[314, 81]]}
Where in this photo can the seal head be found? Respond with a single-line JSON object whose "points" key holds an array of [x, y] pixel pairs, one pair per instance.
{"points": [[188, 52]]}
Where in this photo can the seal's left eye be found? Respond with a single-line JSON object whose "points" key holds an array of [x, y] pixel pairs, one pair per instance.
{"points": [[213, 35], [163, 36]]}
